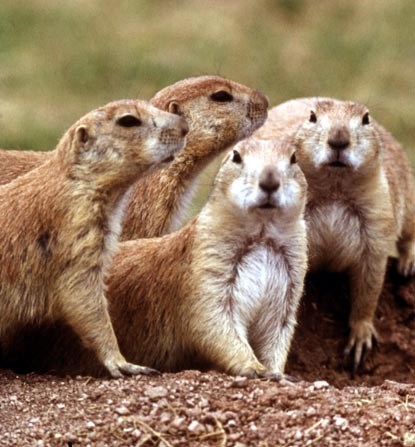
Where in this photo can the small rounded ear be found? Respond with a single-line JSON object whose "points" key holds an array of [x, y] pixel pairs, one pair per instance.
{"points": [[82, 134], [174, 107]]}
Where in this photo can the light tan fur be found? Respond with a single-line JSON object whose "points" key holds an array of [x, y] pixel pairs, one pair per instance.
{"points": [[160, 201], [60, 223], [221, 292], [355, 212]]}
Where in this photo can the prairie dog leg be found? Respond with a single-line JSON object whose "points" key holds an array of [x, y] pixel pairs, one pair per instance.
{"points": [[93, 325], [366, 281]]}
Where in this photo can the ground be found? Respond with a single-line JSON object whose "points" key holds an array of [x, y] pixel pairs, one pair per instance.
{"points": [[326, 407]]}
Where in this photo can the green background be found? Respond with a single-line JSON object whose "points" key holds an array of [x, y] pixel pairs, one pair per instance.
{"points": [[60, 59]]}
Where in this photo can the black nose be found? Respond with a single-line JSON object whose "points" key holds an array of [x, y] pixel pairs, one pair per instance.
{"points": [[268, 182], [339, 138]]}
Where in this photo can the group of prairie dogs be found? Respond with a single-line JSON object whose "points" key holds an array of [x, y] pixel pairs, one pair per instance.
{"points": [[94, 244]]}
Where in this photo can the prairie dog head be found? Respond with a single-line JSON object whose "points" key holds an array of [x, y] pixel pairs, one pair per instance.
{"points": [[123, 138], [218, 110], [262, 178], [338, 137]]}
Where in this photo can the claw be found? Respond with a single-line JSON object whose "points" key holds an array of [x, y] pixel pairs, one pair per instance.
{"points": [[406, 264], [362, 338], [120, 367]]}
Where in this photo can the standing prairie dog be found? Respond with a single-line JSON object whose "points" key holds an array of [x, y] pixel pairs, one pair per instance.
{"points": [[219, 112], [60, 223], [221, 292], [361, 199]]}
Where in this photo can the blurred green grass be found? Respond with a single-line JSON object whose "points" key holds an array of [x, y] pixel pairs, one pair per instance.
{"points": [[58, 59]]}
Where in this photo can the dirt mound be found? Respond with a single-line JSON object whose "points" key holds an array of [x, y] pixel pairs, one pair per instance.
{"points": [[322, 332], [194, 409]]}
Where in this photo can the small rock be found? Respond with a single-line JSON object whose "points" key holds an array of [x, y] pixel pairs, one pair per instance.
{"points": [[90, 425], [320, 384], [340, 422], [239, 382], [156, 392], [195, 427], [122, 410]]}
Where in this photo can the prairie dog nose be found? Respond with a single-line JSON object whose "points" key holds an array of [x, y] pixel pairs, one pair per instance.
{"points": [[268, 181], [339, 138]]}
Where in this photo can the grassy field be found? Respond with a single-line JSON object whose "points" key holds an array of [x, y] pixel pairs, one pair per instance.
{"points": [[61, 59]]}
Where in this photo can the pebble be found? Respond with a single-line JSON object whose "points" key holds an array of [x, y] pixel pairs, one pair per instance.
{"points": [[195, 427], [122, 410], [156, 392], [239, 382]]}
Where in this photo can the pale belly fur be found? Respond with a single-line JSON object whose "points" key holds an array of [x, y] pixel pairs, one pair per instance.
{"points": [[334, 238], [260, 286]]}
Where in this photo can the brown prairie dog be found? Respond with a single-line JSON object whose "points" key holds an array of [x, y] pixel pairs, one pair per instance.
{"points": [[60, 223], [360, 199], [219, 112], [221, 292]]}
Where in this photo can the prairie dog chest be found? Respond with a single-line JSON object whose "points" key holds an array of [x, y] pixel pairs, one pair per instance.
{"points": [[334, 236], [261, 280]]}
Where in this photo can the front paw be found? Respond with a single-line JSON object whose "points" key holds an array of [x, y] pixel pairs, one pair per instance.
{"points": [[362, 337], [406, 265], [118, 367]]}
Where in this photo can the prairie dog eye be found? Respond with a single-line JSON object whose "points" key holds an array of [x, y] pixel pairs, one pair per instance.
{"points": [[221, 96], [293, 158], [129, 121], [236, 157], [365, 119], [313, 117]]}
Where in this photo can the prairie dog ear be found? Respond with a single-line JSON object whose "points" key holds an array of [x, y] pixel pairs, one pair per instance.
{"points": [[174, 107], [81, 134]]}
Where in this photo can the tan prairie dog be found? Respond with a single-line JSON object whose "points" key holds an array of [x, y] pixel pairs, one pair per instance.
{"points": [[361, 199], [221, 292], [60, 223], [219, 112]]}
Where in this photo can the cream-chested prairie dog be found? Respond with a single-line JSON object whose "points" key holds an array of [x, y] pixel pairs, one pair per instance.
{"points": [[221, 292], [60, 223], [361, 199], [219, 112]]}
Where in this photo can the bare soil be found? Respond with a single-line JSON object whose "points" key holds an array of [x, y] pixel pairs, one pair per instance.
{"points": [[327, 407]]}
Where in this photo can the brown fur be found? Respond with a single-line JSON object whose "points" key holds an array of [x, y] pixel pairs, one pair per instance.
{"points": [[59, 224], [159, 202], [354, 214], [193, 297]]}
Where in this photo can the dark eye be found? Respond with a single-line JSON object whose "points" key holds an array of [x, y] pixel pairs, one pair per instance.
{"points": [[365, 119], [313, 117], [221, 96], [237, 157], [129, 121], [293, 158]]}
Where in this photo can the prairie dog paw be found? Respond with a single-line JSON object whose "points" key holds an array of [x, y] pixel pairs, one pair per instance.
{"points": [[406, 264], [120, 367], [251, 371], [361, 339]]}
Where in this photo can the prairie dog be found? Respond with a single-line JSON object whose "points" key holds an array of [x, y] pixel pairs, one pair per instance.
{"points": [[219, 112], [60, 223], [221, 292], [361, 199]]}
